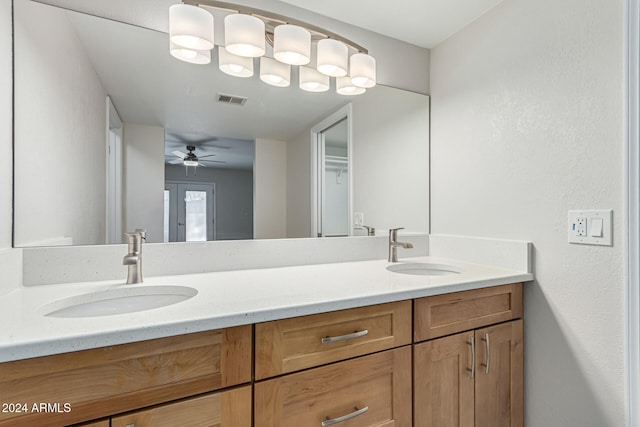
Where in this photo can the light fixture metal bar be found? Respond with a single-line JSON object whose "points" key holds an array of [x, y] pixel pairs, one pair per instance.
{"points": [[270, 18]]}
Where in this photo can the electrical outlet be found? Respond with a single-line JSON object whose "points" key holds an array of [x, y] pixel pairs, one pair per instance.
{"points": [[591, 227], [580, 226]]}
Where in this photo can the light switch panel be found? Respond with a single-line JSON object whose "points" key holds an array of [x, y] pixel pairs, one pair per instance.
{"points": [[591, 227]]}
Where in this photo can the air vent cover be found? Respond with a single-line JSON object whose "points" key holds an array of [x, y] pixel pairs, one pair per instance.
{"points": [[231, 99]]}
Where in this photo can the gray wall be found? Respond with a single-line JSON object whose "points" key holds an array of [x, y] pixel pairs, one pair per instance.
{"points": [[527, 123], [234, 198]]}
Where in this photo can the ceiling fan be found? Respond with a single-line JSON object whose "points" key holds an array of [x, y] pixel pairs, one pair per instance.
{"points": [[190, 158]]}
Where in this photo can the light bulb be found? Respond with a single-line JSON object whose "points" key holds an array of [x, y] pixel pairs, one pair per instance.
{"points": [[188, 53]]}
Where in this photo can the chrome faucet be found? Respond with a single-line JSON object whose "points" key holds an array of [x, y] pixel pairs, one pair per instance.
{"points": [[394, 244], [371, 231], [133, 260]]}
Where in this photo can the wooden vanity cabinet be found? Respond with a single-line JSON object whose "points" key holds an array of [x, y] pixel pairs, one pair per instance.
{"points": [[371, 390], [105, 381], [229, 408], [350, 366], [289, 345], [473, 377]]}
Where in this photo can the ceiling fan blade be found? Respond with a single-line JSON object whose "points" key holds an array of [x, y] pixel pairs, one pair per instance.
{"points": [[208, 155], [202, 164], [213, 161], [179, 154], [176, 161]]}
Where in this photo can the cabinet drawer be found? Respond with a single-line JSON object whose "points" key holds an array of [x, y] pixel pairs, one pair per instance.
{"points": [[230, 408], [289, 345], [380, 382], [448, 314], [109, 380]]}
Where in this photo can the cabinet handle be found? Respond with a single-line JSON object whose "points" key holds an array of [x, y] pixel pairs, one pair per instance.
{"points": [[357, 334], [488, 347], [332, 421], [472, 343]]}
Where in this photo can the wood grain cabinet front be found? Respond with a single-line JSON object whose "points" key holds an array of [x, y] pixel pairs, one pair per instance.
{"points": [[473, 378], [230, 408], [446, 314], [289, 345], [91, 384], [373, 390]]}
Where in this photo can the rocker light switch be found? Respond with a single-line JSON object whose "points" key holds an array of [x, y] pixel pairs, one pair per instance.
{"points": [[596, 227]]}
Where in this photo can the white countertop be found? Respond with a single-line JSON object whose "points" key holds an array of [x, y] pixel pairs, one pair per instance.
{"points": [[225, 299]]}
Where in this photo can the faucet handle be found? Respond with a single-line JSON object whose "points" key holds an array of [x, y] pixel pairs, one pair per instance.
{"points": [[393, 233], [142, 232]]}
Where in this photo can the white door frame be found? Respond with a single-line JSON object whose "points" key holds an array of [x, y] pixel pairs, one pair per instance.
{"points": [[317, 137], [632, 223], [114, 175]]}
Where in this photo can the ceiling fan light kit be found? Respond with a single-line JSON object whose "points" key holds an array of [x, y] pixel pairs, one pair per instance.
{"points": [[247, 31], [190, 158]]}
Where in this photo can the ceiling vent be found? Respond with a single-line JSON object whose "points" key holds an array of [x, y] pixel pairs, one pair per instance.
{"points": [[231, 99]]}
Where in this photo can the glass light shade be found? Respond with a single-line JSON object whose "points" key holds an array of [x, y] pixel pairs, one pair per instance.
{"points": [[292, 44], [312, 80], [362, 69], [190, 55], [239, 66], [333, 58], [190, 163], [274, 72], [345, 87], [190, 27], [244, 35]]}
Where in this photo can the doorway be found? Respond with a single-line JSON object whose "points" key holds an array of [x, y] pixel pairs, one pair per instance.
{"points": [[189, 212], [331, 165]]}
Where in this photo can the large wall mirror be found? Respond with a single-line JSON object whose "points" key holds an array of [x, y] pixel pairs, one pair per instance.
{"points": [[104, 118]]}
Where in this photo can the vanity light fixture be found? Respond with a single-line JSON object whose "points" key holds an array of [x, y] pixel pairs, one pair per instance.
{"points": [[190, 55], [312, 80], [345, 87], [244, 35], [274, 72], [247, 31], [292, 44], [234, 65], [190, 27]]}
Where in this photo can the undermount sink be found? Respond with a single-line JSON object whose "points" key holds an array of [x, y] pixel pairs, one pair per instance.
{"points": [[125, 299], [424, 269]]}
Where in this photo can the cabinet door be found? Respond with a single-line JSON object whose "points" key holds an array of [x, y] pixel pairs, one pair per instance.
{"points": [[371, 390], [443, 383], [226, 409], [499, 376]]}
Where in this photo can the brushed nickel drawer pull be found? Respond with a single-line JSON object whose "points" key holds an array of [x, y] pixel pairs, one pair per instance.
{"points": [[472, 343], [357, 334], [486, 366], [332, 421]]}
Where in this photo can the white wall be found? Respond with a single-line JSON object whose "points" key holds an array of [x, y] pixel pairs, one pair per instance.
{"points": [[270, 186], [391, 159], [6, 78], [527, 123], [299, 185], [143, 181], [47, 190], [234, 198]]}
